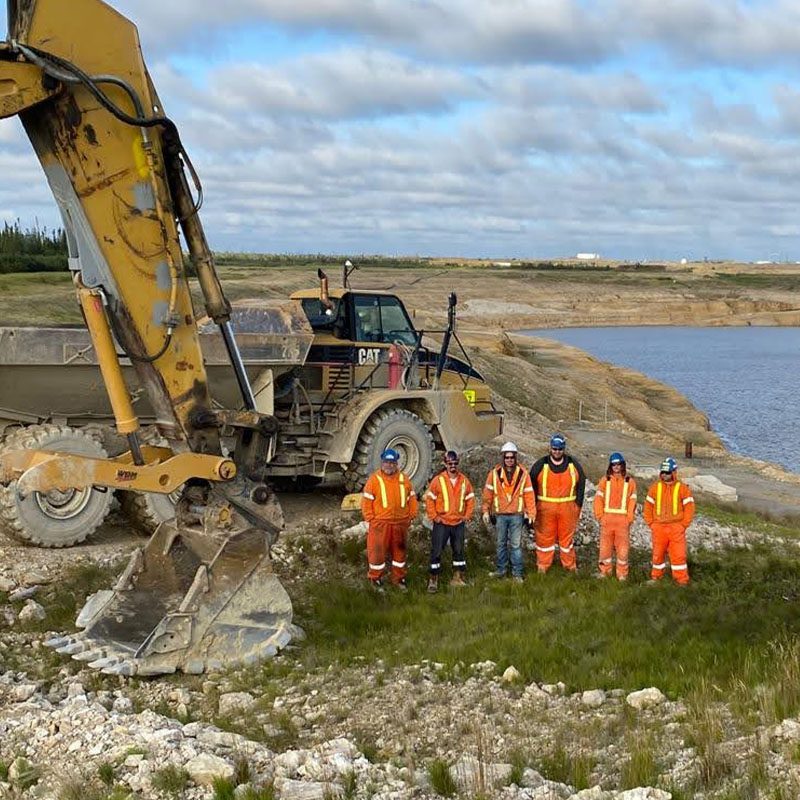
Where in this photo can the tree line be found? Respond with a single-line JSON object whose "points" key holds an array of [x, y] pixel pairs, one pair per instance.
{"points": [[32, 249]]}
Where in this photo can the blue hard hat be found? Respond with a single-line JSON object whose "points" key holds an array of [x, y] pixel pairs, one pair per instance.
{"points": [[558, 441], [668, 465], [616, 458], [390, 454]]}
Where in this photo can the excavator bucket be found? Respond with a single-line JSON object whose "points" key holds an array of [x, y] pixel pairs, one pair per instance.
{"points": [[186, 601]]}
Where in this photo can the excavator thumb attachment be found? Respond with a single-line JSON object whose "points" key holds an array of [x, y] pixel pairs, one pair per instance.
{"points": [[186, 601]]}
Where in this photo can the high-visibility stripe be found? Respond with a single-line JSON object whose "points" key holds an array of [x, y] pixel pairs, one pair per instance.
{"points": [[678, 567], [369, 496], [660, 566], [377, 566], [688, 500], [573, 473], [432, 495], [650, 500], [398, 563], [545, 549], [675, 498], [385, 499], [445, 494], [606, 560], [470, 496], [436, 566], [494, 489], [600, 493], [463, 497], [459, 563], [565, 549], [622, 563], [623, 509]]}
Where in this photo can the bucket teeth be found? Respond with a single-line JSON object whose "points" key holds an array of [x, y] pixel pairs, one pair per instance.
{"points": [[104, 663], [56, 641], [72, 648], [89, 655], [126, 668]]}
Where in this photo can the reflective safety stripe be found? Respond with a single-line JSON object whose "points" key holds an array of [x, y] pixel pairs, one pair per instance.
{"points": [[688, 500], [377, 566], [678, 567], [432, 495], [369, 496], [600, 493], [398, 563], [385, 499], [446, 495], [573, 473], [508, 496], [565, 549], [623, 509], [470, 496], [675, 498], [606, 560], [622, 563], [660, 566], [650, 500], [545, 549], [437, 565], [459, 563]]}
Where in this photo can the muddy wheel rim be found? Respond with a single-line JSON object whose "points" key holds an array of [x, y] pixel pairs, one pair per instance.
{"points": [[408, 451], [63, 505]]}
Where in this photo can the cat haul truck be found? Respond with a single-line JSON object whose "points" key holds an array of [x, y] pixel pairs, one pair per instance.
{"points": [[236, 400]]}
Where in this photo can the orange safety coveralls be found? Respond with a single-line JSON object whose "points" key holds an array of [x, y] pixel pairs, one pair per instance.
{"points": [[504, 496], [388, 504], [450, 504], [668, 510], [615, 508], [559, 497]]}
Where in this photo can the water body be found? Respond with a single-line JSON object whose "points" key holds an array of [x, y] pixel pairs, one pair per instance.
{"points": [[746, 380]]}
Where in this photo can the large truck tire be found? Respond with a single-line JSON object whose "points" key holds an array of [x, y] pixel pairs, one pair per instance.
{"points": [[405, 432], [53, 519], [148, 510]]}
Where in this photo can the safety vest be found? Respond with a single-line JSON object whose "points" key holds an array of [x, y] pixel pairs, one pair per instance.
{"points": [[623, 509], [514, 483], [446, 495], [573, 473], [384, 499], [675, 498]]}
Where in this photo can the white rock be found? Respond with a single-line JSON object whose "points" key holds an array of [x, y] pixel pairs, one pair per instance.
{"points": [[359, 529], [644, 793], [531, 779], [122, 705], [710, 484], [305, 790], [290, 761], [235, 703], [341, 745], [203, 769], [534, 694], [474, 777], [24, 691], [788, 730], [22, 594], [6, 584], [35, 579], [593, 698], [595, 793], [510, 675], [645, 698], [75, 689], [31, 612]]}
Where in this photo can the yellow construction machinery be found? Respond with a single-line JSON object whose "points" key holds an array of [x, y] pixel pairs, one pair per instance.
{"points": [[352, 378]]}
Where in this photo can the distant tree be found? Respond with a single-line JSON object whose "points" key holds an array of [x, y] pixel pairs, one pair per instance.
{"points": [[32, 249]]}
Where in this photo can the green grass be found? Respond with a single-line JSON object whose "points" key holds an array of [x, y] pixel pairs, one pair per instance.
{"points": [[106, 773], [558, 764], [441, 780], [590, 634], [641, 767], [170, 780], [777, 528]]}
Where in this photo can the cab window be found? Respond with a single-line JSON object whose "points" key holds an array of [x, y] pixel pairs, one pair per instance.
{"points": [[395, 324], [368, 318], [320, 317]]}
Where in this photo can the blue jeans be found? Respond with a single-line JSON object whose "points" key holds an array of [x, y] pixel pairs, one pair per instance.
{"points": [[508, 530]]}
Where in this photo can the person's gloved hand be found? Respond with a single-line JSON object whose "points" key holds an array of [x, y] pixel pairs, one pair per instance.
{"points": [[486, 519]]}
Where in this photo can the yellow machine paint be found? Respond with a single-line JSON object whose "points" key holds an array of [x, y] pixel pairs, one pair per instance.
{"points": [[202, 592]]}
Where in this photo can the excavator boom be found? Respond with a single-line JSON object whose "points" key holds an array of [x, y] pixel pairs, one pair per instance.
{"points": [[202, 592]]}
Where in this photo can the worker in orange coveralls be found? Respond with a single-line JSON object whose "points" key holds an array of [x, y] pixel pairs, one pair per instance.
{"points": [[507, 503], [388, 504], [559, 482], [669, 510], [615, 508], [449, 503]]}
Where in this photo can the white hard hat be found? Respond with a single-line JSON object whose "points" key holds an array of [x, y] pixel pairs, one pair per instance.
{"points": [[509, 447]]}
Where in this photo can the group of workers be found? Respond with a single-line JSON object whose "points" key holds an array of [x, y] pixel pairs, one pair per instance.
{"points": [[548, 497]]}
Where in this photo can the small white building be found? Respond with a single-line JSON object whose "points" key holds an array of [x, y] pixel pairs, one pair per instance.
{"points": [[587, 256]]}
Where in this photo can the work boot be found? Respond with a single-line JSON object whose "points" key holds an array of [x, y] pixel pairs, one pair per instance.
{"points": [[401, 585], [377, 586], [519, 579], [433, 584], [457, 580], [497, 574]]}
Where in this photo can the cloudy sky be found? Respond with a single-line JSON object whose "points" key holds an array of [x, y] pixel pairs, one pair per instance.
{"points": [[639, 129]]}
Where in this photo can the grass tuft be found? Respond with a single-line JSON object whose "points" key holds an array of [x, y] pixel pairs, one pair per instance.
{"points": [[441, 780], [170, 780], [641, 767], [224, 789], [106, 773]]}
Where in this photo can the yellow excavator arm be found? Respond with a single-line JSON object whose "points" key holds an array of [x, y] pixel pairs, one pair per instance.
{"points": [[202, 591]]}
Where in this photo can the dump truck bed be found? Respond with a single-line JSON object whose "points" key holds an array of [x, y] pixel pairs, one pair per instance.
{"points": [[52, 373]]}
